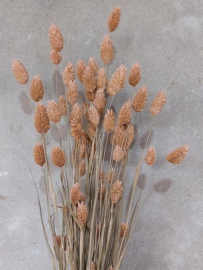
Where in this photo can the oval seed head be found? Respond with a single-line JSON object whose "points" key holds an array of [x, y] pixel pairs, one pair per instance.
{"points": [[150, 157], [68, 73], [62, 107], [114, 19], [125, 114], [124, 230], [93, 115], [117, 81], [75, 194], [106, 50], [118, 153], [93, 65], [38, 154], [20, 72], [41, 119], [53, 111], [57, 156], [100, 100], [116, 192], [80, 69], [135, 75], [130, 135], [55, 38], [36, 89], [178, 155], [109, 120], [89, 80], [55, 57], [101, 78], [72, 93], [158, 103], [140, 99], [82, 213]]}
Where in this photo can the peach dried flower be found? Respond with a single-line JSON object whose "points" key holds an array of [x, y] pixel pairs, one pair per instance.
{"points": [[93, 115], [117, 81], [125, 114], [55, 57], [150, 157], [124, 230], [68, 73], [80, 69], [38, 153], [93, 65], [36, 89], [177, 155], [114, 19], [57, 156], [53, 111], [55, 38], [118, 153], [62, 107], [72, 93], [82, 213], [158, 103], [20, 72], [116, 191], [75, 194], [140, 99], [106, 50], [135, 75], [41, 119]]}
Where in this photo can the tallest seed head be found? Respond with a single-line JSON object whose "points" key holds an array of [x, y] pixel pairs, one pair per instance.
{"points": [[114, 19], [55, 38]]}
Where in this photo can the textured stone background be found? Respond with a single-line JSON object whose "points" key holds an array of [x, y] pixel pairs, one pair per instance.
{"points": [[166, 37]]}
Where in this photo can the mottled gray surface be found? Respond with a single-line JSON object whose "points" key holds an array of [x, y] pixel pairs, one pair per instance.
{"points": [[166, 37]]}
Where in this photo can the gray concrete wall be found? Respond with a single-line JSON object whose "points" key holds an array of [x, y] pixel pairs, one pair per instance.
{"points": [[166, 37]]}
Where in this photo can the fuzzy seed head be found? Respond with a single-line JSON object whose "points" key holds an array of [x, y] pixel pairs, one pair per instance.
{"points": [[55, 57], [125, 114], [130, 135], [116, 192], [58, 241], [124, 230], [150, 157], [119, 136], [80, 69], [76, 115], [109, 120], [82, 213], [158, 103], [93, 115], [36, 89], [178, 155], [55, 38], [100, 100], [106, 50], [89, 80], [76, 131], [117, 81], [38, 154], [62, 107], [72, 93], [140, 99], [41, 119], [57, 156], [114, 19], [93, 65], [53, 111], [135, 75], [68, 73], [101, 78], [118, 153], [20, 72], [75, 194]]}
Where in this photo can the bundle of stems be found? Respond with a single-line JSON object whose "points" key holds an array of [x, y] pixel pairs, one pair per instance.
{"points": [[85, 204]]}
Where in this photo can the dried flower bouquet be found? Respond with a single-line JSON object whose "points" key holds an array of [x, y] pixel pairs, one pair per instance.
{"points": [[85, 204]]}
